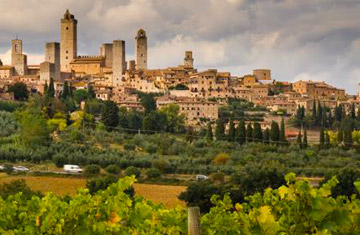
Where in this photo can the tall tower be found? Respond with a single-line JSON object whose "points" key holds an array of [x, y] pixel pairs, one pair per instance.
{"points": [[52, 55], [189, 60], [118, 61], [141, 49], [18, 59], [16, 49], [68, 46]]}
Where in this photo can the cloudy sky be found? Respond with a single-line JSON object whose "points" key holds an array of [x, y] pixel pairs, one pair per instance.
{"points": [[296, 39]]}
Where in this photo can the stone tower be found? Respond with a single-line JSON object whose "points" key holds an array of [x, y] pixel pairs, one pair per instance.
{"points": [[189, 60], [52, 55], [118, 61], [141, 49], [16, 49], [68, 46], [18, 59], [106, 51]]}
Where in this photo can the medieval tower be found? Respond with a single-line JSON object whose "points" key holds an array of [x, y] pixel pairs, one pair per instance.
{"points": [[52, 55], [141, 49], [118, 61], [68, 45], [189, 60], [18, 59]]}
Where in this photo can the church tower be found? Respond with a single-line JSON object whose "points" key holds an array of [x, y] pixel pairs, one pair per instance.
{"points": [[16, 49], [189, 60], [141, 50], [68, 45]]}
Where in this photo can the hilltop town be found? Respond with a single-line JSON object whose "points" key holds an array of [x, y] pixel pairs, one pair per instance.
{"points": [[198, 93]]}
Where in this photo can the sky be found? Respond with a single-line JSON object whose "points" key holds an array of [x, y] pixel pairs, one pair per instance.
{"points": [[297, 39]]}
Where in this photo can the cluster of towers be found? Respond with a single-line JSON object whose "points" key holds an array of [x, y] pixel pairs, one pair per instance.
{"points": [[59, 56]]}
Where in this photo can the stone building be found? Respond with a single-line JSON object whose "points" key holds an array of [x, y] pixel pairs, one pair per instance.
{"points": [[189, 60], [262, 74], [118, 62], [68, 46], [141, 50], [196, 110], [52, 55], [18, 59], [318, 90], [106, 51], [87, 65]]}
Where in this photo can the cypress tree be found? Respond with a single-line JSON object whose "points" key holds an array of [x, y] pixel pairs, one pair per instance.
{"points": [[231, 136], [321, 138], [338, 113], [340, 136], [324, 118], [258, 135], [209, 133], [282, 137], [249, 133], [275, 132], [327, 140], [189, 134], [320, 114], [299, 140], [65, 91], [305, 142], [358, 114], [348, 141], [314, 110], [220, 130], [91, 94], [51, 89], [110, 114], [241, 133], [46, 88], [330, 119], [266, 136], [352, 113]]}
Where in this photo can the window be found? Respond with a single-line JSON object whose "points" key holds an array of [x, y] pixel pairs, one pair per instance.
{"points": [[67, 28], [66, 57]]}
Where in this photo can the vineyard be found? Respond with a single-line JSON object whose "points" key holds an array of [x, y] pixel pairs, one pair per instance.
{"points": [[294, 208]]}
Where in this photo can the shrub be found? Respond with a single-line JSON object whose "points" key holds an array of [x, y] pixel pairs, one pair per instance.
{"points": [[113, 169], [16, 186], [131, 170], [161, 165], [221, 158], [8, 168], [218, 177], [129, 147], [92, 170], [153, 173], [59, 159]]}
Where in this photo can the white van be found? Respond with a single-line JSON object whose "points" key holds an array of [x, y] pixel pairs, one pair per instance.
{"points": [[201, 177], [72, 169]]}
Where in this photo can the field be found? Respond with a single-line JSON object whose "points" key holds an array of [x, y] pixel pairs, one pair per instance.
{"points": [[167, 195]]}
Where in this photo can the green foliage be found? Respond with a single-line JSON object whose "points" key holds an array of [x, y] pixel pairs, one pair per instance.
{"points": [[153, 173], [174, 120], [220, 130], [274, 132], [91, 93], [232, 130], [209, 132], [9, 106], [113, 169], [8, 124], [110, 116], [15, 187], [346, 186], [148, 102], [34, 130], [20, 91], [257, 132], [51, 89], [92, 170], [241, 133], [131, 170], [111, 211], [80, 95]]}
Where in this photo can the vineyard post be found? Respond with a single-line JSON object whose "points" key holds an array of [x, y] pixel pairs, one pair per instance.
{"points": [[194, 221]]}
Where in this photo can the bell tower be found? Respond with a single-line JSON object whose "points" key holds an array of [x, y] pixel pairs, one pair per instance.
{"points": [[68, 44], [141, 50]]}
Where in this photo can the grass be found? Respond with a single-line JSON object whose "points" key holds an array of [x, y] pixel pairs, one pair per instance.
{"points": [[164, 194]]}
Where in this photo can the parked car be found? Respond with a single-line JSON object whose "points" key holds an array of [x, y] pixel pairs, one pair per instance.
{"points": [[20, 169], [72, 169], [2, 168], [201, 177]]}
